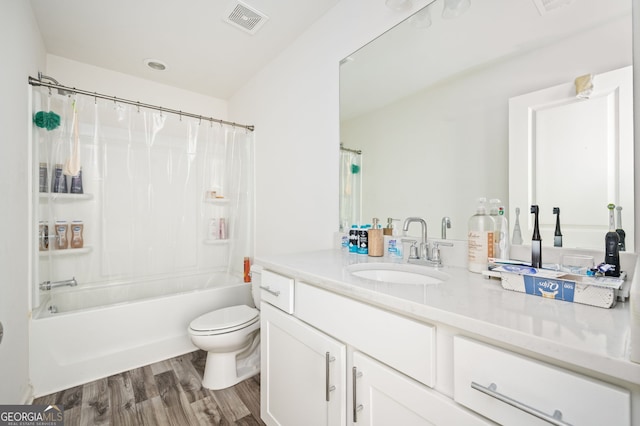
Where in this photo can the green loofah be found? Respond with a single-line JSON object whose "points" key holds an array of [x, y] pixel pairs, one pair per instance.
{"points": [[355, 169], [47, 120]]}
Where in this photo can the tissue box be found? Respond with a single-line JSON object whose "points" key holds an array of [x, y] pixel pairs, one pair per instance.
{"points": [[595, 291]]}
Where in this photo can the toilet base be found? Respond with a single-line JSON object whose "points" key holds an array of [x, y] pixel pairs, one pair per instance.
{"points": [[223, 370]]}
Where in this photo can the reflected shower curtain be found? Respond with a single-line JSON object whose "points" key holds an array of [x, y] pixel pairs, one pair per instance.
{"points": [[153, 183], [350, 189]]}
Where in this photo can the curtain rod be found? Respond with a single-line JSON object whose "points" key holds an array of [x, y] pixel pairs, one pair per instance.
{"points": [[37, 82], [355, 151]]}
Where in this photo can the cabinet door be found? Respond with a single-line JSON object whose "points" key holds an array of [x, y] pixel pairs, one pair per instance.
{"points": [[303, 373], [386, 397]]}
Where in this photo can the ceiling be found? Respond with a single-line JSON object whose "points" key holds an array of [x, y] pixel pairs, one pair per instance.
{"points": [[203, 53]]}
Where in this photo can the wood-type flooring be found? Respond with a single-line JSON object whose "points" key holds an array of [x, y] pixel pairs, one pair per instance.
{"points": [[168, 392]]}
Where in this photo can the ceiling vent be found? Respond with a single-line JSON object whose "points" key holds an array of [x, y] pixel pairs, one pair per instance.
{"points": [[244, 17], [546, 6]]}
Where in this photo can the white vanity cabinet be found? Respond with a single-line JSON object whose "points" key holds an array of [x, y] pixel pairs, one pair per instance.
{"points": [[515, 390], [383, 396], [303, 373], [345, 362]]}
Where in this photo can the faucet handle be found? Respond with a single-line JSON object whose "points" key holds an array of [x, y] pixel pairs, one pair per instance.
{"points": [[435, 252], [413, 250]]}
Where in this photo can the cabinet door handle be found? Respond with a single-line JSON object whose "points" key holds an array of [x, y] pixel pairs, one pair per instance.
{"points": [[327, 387], [356, 407], [492, 391], [268, 290]]}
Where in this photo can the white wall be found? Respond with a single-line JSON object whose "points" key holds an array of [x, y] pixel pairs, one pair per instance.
{"points": [[94, 79], [294, 104], [22, 53]]}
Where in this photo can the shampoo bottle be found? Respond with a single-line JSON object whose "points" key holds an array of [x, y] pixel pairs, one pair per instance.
{"points": [[611, 246], [480, 238]]}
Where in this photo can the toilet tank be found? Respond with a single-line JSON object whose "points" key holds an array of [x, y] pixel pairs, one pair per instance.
{"points": [[256, 279]]}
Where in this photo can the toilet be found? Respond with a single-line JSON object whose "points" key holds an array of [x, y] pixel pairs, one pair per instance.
{"points": [[231, 337]]}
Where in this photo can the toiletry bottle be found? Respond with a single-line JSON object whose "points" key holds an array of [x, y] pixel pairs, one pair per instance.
{"points": [[557, 235], [501, 231], [376, 239], [353, 239], [247, 269], [389, 229], [517, 232], [77, 230], [620, 231], [611, 247], [536, 241], [76, 183], [363, 239], [480, 238]]}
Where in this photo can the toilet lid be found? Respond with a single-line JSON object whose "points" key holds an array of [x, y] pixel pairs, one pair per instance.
{"points": [[220, 319]]}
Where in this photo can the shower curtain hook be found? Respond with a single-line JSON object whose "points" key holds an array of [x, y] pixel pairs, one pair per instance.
{"points": [[180, 115], [138, 105], [95, 98], [200, 121]]}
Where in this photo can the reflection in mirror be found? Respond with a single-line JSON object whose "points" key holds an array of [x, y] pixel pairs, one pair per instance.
{"points": [[428, 106]]}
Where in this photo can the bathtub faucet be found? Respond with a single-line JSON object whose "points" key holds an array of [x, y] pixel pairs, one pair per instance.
{"points": [[48, 285]]}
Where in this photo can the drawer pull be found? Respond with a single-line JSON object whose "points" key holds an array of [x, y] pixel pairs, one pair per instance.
{"points": [[268, 290], [356, 407], [492, 391], [328, 388]]}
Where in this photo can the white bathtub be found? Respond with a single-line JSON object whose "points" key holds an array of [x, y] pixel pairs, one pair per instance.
{"points": [[108, 329]]}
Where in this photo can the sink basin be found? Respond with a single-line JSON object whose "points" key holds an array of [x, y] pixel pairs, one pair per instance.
{"points": [[394, 273]]}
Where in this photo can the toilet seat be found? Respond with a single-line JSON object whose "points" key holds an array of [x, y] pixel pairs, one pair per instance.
{"points": [[225, 320]]}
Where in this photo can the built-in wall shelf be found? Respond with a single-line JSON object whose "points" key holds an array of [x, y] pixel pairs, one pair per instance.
{"points": [[63, 197], [216, 242], [219, 201], [66, 252]]}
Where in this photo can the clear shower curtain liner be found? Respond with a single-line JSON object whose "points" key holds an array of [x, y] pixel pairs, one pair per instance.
{"points": [[350, 189], [162, 195]]}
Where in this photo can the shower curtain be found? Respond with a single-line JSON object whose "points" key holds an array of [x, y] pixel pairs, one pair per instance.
{"points": [[153, 186], [350, 189]]}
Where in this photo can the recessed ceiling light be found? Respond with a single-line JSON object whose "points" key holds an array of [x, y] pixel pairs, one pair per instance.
{"points": [[155, 64]]}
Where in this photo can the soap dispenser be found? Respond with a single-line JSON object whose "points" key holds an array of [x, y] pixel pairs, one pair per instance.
{"points": [[389, 229], [376, 239]]}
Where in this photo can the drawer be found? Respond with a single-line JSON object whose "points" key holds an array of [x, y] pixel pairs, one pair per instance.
{"points": [[495, 382], [403, 344], [277, 290]]}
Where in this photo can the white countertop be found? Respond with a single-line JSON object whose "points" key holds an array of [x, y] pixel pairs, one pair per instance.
{"points": [[592, 338]]}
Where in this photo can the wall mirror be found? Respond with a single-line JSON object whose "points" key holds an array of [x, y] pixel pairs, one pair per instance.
{"points": [[427, 104]]}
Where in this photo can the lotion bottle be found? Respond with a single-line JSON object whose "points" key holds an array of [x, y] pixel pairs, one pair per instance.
{"points": [[480, 238], [376, 239]]}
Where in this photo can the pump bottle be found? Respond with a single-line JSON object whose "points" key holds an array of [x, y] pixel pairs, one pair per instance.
{"points": [[480, 238]]}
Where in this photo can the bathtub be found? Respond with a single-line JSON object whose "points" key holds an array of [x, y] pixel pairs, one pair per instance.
{"points": [[104, 330]]}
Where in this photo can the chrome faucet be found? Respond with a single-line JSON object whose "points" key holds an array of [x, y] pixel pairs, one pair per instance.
{"points": [[48, 285], [424, 244], [446, 223]]}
